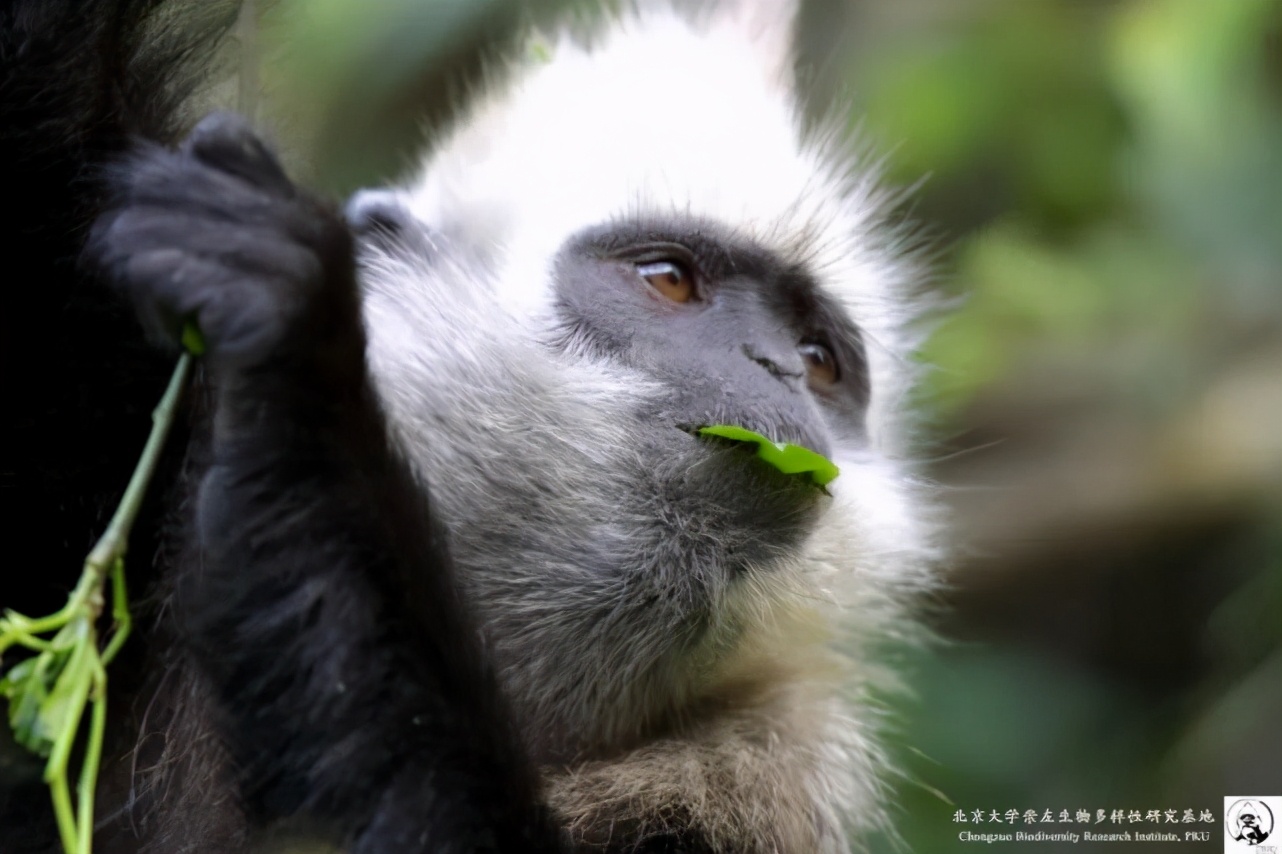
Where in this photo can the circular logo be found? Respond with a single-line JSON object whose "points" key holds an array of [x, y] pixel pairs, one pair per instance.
{"points": [[1248, 821]]}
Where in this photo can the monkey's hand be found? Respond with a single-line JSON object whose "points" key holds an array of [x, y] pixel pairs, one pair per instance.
{"points": [[354, 698], [216, 233]]}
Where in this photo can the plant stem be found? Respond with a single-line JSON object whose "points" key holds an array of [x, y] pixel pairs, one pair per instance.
{"points": [[111, 545], [82, 677]]}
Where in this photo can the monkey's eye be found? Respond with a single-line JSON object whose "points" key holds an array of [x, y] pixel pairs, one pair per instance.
{"points": [[671, 279], [821, 364]]}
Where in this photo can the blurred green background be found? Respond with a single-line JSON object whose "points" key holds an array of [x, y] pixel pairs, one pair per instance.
{"points": [[1104, 181], [1107, 177]]}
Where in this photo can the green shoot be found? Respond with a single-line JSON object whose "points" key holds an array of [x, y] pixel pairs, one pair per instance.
{"points": [[49, 690]]}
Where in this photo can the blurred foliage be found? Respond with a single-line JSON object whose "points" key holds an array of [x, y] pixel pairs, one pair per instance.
{"points": [[1109, 397], [1122, 159], [1105, 178], [360, 88]]}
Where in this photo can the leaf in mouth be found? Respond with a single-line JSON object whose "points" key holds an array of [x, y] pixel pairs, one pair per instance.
{"points": [[784, 456]]}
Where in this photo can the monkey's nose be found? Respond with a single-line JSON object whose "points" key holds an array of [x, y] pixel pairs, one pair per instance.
{"points": [[783, 366]]}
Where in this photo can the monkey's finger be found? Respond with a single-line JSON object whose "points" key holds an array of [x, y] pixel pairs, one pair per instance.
{"points": [[159, 178], [237, 322], [249, 250], [226, 142]]}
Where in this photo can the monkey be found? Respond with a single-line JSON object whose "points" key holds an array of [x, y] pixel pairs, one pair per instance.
{"points": [[454, 569]]}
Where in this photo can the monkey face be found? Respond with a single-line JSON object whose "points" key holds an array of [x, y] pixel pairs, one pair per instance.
{"points": [[733, 332]]}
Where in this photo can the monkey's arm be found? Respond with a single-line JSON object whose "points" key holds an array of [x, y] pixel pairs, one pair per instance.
{"points": [[318, 598]]}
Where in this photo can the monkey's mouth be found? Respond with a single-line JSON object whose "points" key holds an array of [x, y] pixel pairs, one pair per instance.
{"points": [[789, 458]]}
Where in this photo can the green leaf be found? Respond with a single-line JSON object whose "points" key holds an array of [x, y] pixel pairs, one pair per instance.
{"points": [[13, 682], [193, 341], [61, 710], [24, 693], [785, 456], [26, 686]]}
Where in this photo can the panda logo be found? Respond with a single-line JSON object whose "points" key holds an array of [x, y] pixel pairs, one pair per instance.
{"points": [[1248, 821]]}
